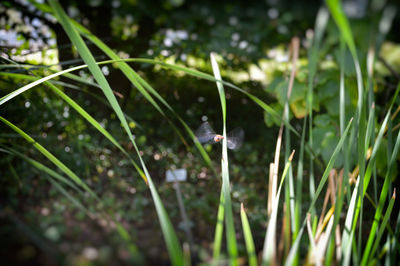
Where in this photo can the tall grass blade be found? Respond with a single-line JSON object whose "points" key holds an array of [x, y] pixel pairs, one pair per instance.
{"points": [[251, 251], [230, 227]]}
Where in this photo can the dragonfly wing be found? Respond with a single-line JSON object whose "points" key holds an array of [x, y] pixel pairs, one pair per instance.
{"points": [[235, 138], [205, 133]]}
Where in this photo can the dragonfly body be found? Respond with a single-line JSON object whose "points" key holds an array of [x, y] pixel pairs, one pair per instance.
{"points": [[206, 135], [218, 138]]}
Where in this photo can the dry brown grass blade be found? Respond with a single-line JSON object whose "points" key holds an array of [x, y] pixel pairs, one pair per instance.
{"points": [[326, 199], [270, 186]]}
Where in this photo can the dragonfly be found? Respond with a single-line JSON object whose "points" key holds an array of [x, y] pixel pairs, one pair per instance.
{"points": [[206, 135]]}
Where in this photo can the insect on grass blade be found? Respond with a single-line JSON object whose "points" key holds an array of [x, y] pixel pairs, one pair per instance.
{"points": [[206, 135]]}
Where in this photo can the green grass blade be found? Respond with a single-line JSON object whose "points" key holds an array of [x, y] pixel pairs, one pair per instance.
{"points": [[251, 251], [338, 15], [32, 78], [96, 125], [378, 141], [342, 102], [42, 167], [382, 200], [295, 247], [230, 227], [81, 80], [383, 225], [219, 228], [64, 73], [171, 240], [88, 58], [299, 183], [50, 156], [17, 92]]}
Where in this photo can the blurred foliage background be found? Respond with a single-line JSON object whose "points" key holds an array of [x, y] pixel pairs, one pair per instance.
{"points": [[40, 226]]}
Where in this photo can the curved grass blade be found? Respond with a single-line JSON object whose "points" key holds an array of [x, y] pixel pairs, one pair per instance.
{"points": [[42, 167], [27, 77], [51, 157], [96, 125], [17, 92]]}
